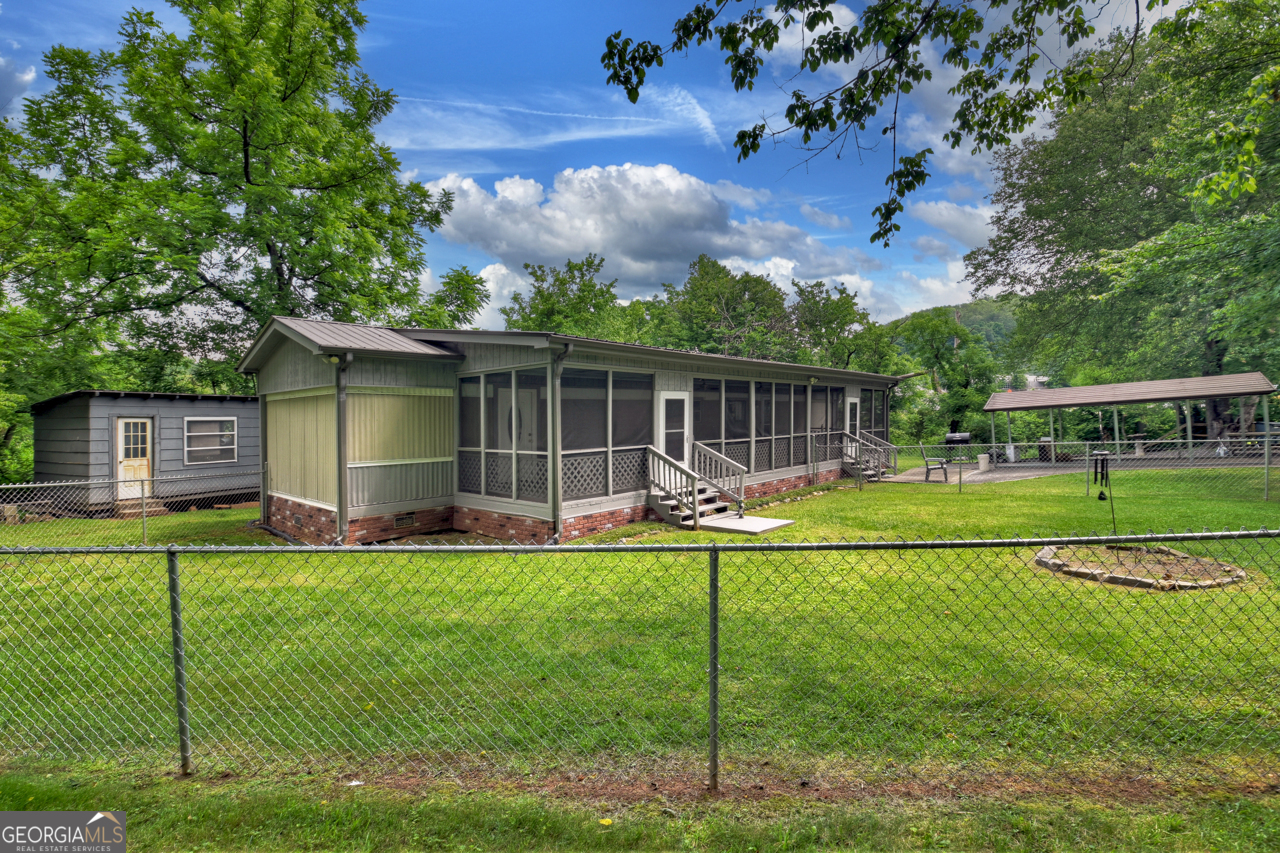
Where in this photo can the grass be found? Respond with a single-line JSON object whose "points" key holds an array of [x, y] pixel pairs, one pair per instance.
{"points": [[313, 813], [224, 526]]}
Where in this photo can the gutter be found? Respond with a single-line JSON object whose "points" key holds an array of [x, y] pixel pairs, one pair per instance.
{"points": [[557, 437]]}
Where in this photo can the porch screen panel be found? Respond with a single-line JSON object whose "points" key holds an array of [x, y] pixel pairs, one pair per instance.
{"points": [[737, 411], [531, 410], [818, 421], [800, 424], [764, 409], [632, 409], [469, 403], [706, 409], [864, 410], [881, 421], [497, 411], [782, 409], [836, 420], [584, 399]]}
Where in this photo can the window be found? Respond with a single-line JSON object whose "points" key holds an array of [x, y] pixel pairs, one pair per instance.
{"points": [[706, 410], [209, 440], [764, 409], [737, 410], [469, 434], [633, 409], [584, 394]]}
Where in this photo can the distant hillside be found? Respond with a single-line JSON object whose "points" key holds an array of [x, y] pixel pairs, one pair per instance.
{"points": [[987, 317]]}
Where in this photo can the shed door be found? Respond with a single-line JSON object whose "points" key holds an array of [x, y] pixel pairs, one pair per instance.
{"points": [[133, 459]]}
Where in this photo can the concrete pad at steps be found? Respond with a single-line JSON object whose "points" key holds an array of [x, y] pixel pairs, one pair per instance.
{"points": [[751, 525]]}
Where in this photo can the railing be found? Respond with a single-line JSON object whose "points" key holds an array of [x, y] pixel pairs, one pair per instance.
{"points": [[675, 482], [888, 452], [722, 473]]}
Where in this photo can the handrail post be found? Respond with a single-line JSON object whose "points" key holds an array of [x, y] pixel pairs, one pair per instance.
{"points": [[713, 672], [179, 662]]}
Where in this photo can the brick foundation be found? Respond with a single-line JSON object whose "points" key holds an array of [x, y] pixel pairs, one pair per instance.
{"points": [[304, 522], [319, 526], [379, 528], [501, 525]]}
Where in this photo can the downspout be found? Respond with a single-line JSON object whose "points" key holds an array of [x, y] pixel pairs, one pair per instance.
{"points": [[343, 474], [557, 436]]}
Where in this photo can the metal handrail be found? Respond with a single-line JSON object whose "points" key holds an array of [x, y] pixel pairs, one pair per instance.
{"points": [[670, 478], [720, 472]]}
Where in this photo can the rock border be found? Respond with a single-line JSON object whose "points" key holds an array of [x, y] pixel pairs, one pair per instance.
{"points": [[1046, 558]]}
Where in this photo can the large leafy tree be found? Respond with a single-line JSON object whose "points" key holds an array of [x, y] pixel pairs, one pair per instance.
{"points": [[957, 359], [568, 301], [997, 49], [201, 181]]}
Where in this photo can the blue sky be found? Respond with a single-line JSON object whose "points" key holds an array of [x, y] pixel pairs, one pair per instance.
{"points": [[505, 104]]}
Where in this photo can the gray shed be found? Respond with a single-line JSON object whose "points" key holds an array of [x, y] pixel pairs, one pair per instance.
{"points": [[175, 446]]}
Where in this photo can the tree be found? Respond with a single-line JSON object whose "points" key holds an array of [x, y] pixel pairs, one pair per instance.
{"points": [[829, 324], [458, 301], [882, 51], [567, 301], [717, 311], [204, 180], [958, 359]]}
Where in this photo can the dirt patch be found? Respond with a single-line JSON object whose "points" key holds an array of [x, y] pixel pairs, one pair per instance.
{"points": [[762, 783]]}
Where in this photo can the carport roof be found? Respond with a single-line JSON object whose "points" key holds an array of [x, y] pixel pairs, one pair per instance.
{"points": [[1158, 391]]}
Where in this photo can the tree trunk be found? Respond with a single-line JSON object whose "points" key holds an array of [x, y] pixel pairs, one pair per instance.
{"points": [[1248, 413]]}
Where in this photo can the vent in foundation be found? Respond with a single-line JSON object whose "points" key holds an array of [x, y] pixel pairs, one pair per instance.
{"points": [[404, 520], [297, 519]]}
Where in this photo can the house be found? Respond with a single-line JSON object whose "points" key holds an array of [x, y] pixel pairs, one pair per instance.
{"points": [[172, 447], [372, 433]]}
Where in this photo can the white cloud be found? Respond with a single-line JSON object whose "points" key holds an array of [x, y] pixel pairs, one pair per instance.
{"points": [[932, 247], [821, 217], [14, 82], [648, 222], [970, 225], [934, 290], [745, 197]]}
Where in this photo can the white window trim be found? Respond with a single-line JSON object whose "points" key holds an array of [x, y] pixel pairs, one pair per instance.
{"points": [[235, 447]]}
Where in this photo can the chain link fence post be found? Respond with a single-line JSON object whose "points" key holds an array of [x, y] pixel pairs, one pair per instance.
{"points": [[713, 673], [179, 662]]}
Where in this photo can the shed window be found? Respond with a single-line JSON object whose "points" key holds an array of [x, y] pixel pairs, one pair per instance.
{"points": [[632, 409], [209, 440], [584, 395]]}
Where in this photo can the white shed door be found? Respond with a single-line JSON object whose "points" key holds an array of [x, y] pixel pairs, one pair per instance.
{"points": [[133, 458]]}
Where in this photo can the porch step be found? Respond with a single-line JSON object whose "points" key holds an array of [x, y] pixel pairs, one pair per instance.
{"points": [[133, 509]]}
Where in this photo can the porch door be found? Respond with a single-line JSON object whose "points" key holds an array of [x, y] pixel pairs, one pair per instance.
{"points": [[133, 459], [852, 416], [675, 423]]}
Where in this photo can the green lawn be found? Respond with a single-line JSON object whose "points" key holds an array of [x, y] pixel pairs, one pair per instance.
{"points": [[223, 526]]}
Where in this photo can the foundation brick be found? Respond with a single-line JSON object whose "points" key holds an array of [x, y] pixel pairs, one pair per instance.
{"points": [[504, 526], [380, 528], [303, 522]]}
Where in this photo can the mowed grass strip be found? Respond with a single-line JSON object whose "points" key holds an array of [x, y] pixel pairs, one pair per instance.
{"points": [[949, 660]]}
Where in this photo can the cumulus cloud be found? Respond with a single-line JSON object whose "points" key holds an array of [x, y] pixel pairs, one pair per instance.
{"points": [[648, 222], [14, 82], [919, 292], [821, 217], [746, 198], [970, 225], [932, 247]]}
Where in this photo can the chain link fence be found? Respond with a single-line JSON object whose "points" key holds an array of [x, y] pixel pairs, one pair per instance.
{"points": [[214, 507], [1228, 467], [1155, 657]]}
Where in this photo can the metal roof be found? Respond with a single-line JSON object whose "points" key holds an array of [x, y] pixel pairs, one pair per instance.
{"points": [[54, 402], [1157, 391], [330, 336], [543, 339]]}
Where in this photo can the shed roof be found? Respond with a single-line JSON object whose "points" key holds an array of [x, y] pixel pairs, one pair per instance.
{"points": [[53, 402], [1157, 391]]}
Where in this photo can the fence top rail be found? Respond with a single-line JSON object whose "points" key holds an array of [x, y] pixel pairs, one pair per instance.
{"points": [[516, 549], [53, 484]]}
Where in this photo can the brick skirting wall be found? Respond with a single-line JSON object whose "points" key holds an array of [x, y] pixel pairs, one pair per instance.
{"points": [[501, 525], [304, 522], [319, 526], [380, 528]]}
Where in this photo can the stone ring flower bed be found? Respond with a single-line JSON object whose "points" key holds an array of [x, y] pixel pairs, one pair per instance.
{"points": [[1156, 567]]}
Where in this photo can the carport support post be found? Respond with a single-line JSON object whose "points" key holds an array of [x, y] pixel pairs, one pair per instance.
{"points": [[1266, 447], [179, 662], [1053, 450], [713, 674], [1186, 404]]}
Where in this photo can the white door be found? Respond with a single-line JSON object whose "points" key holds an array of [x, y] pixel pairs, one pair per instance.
{"points": [[133, 458], [526, 420], [675, 424], [852, 418]]}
